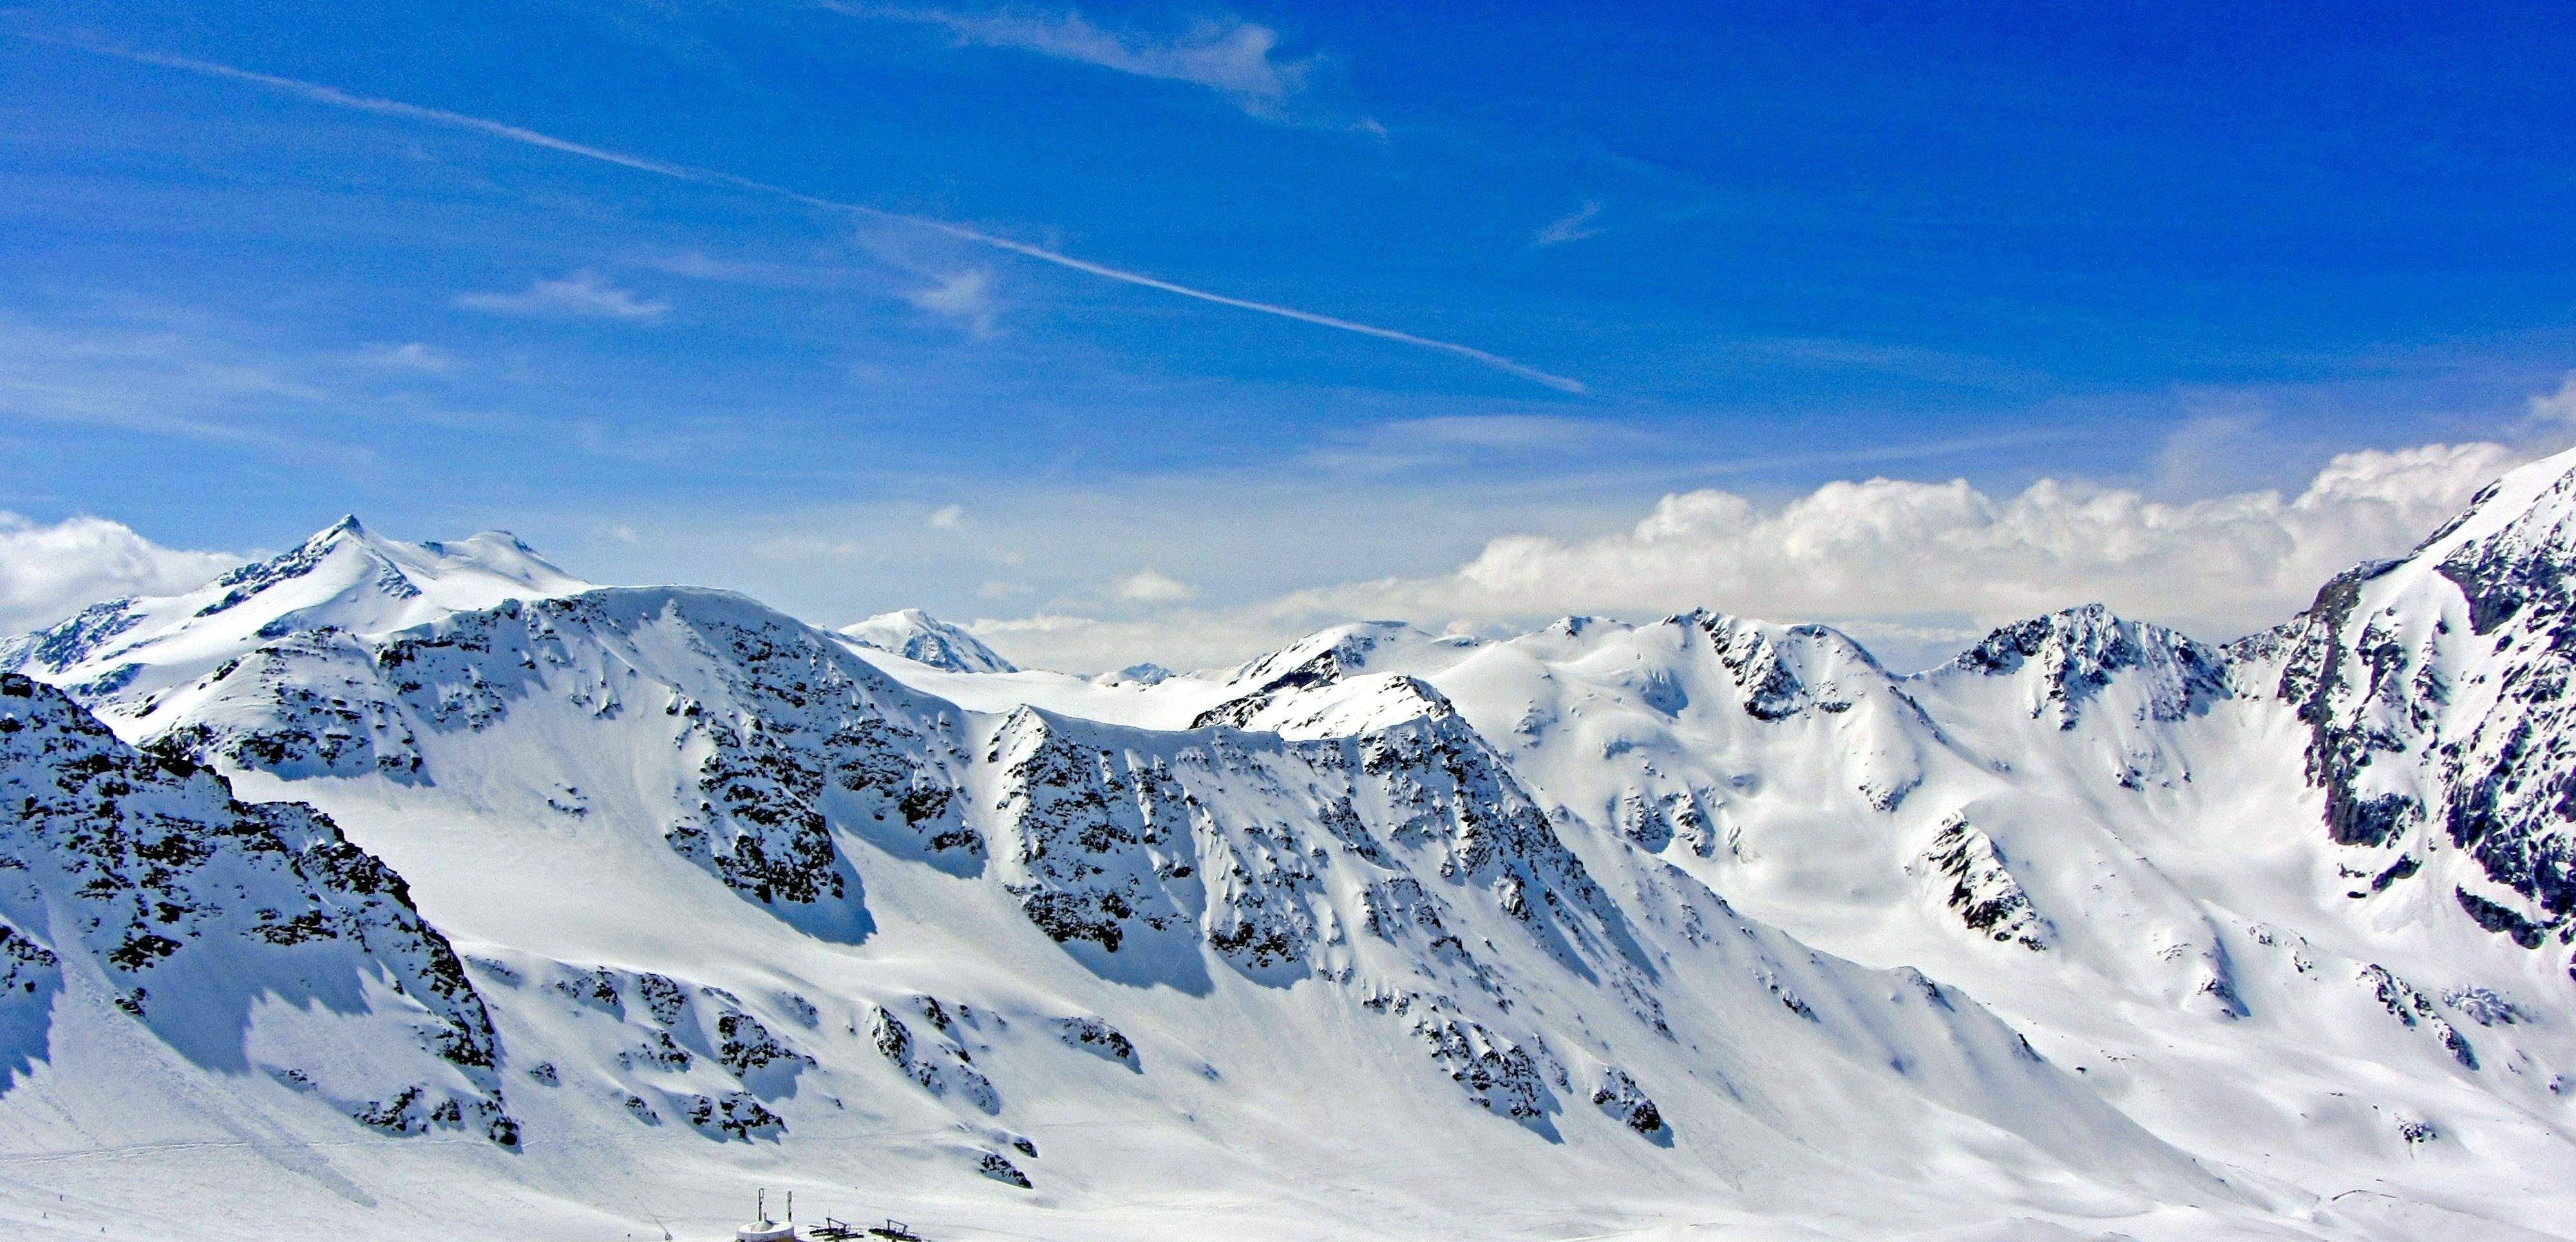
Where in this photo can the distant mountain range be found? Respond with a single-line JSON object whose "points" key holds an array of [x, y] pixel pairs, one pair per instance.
{"points": [[392, 890]]}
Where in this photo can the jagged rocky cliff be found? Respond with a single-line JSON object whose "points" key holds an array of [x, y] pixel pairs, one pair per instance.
{"points": [[139, 877], [2436, 694]]}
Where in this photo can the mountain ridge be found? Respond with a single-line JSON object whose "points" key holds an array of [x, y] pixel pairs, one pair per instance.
{"points": [[1704, 918]]}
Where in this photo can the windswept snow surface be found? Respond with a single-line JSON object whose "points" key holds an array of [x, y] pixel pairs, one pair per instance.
{"points": [[1706, 927]]}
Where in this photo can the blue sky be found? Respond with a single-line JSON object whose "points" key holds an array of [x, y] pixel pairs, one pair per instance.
{"points": [[797, 315]]}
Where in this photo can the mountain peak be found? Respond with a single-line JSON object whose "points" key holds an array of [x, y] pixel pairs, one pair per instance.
{"points": [[343, 577], [916, 635], [2077, 651]]}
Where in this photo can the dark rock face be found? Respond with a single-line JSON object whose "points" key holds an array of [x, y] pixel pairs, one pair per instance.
{"points": [[73, 641], [935, 1062], [733, 1115], [2500, 919], [1618, 1095], [745, 1047], [1495, 1072], [2443, 700], [2318, 677], [1098, 1038], [2415, 1010], [995, 1165], [1104, 839], [1771, 687], [1980, 888], [2076, 653], [2512, 776], [1093, 839], [183, 893]]}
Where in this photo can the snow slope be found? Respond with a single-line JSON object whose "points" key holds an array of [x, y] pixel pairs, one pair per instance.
{"points": [[1702, 923], [924, 639], [117, 655]]}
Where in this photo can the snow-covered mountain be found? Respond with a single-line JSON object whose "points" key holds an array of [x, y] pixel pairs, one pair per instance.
{"points": [[916, 635], [2094, 931], [116, 656]]}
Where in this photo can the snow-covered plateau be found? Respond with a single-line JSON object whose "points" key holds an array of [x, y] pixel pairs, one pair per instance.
{"points": [[408, 891]]}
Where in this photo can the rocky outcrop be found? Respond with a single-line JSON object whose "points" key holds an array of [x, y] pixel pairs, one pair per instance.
{"points": [[2437, 695], [934, 1062], [195, 907], [1968, 872], [2415, 1010], [1097, 1037], [1618, 1096], [2069, 657]]}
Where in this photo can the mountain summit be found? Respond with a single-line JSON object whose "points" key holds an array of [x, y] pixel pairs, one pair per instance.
{"points": [[917, 636], [121, 652]]}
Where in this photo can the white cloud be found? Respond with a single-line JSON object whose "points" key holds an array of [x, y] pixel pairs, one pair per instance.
{"points": [[1570, 228], [1228, 55], [582, 295], [998, 589], [1884, 547], [1919, 568], [1147, 586], [949, 517], [49, 572], [966, 297]]}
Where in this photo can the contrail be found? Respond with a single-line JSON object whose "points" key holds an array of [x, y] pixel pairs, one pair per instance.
{"points": [[318, 93]]}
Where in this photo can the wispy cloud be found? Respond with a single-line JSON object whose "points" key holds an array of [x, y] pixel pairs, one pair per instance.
{"points": [[1233, 57], [2557, 408], [334, 97], [966, 297], [166, 372], [1456, 440], [581, 295], [1570, 228], [415, 356]]}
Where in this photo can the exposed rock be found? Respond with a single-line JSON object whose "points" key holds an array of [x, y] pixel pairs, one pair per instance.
{"points": [[2073, 655], [1618, 1095], [1979, 887], [1497, 1073], [994, 1165], [1098, 1038], [733, 1115], [168, 879], [2415, 1010], [940, 1068]]}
